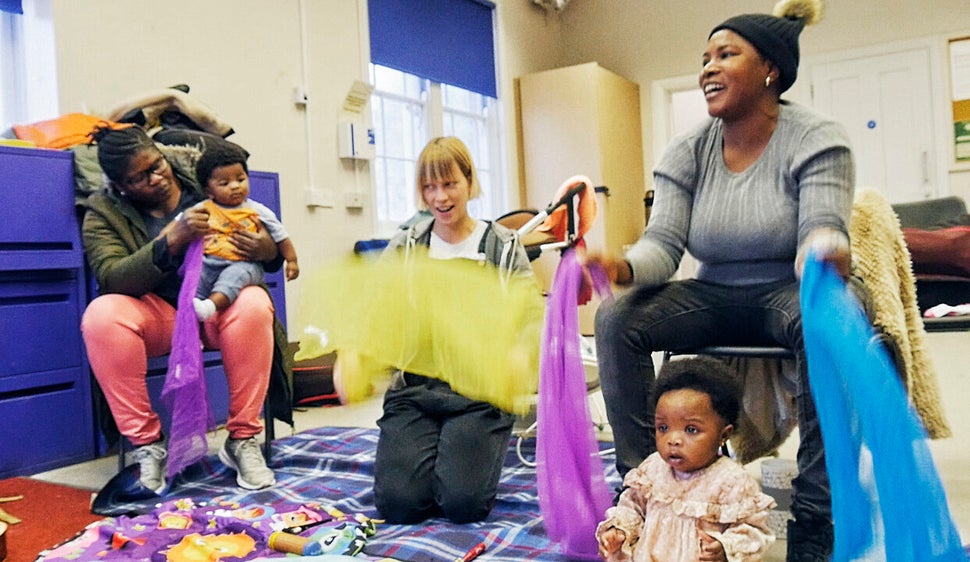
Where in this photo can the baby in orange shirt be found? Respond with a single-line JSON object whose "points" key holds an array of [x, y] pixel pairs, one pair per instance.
{"points": [[223, 174]]}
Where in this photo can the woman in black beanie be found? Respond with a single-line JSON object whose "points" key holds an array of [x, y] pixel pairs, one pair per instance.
{"points": [[747, 192]]}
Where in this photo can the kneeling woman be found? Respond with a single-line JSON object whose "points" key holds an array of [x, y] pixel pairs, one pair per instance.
{"points": [[440, 453]]}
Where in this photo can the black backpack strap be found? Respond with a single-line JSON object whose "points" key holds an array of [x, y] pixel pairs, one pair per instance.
{"points": [[481, 243]]}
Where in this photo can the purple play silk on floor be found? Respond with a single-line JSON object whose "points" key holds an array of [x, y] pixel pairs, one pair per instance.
{"points": [[573, 494], [184, 393], [887, 500]]}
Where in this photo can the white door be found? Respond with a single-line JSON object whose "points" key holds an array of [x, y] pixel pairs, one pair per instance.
{"points": [[885, 102], [678, 105]]}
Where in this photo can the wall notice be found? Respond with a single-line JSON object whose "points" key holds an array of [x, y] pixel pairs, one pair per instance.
{"points": [[960, 97]]}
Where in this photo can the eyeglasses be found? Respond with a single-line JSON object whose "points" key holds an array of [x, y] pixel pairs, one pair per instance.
{"points": [[141, 179]]}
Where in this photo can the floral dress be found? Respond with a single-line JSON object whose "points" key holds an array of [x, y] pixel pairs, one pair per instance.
{"points": [[663, 513]]}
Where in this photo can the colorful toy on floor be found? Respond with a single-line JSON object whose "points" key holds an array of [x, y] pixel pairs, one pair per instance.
{"points": [[294, 544], [182, 530], [347, 536]]}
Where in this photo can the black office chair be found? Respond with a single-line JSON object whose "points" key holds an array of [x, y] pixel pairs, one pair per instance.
{"points": [[736, 351]]}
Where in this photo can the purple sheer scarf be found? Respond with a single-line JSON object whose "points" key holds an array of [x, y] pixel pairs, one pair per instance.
{"points": [[185, 394], [573, 494]]}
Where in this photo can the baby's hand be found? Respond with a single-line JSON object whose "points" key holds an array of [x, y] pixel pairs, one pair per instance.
{"points": [[711, 549], [292, 270], [610, 541]]}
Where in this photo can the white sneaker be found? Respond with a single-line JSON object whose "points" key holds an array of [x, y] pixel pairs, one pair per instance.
{"points": [[246, 458], [151, 461]]}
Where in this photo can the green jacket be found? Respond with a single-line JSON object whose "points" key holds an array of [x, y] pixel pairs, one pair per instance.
{"points": [[123, 259], [122, 256]]}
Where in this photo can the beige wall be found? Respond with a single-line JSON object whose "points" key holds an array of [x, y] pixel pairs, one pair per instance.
{"points": [[647, 40], [243, 58]]}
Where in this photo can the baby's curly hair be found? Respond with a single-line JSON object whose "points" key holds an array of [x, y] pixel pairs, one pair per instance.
{"points": [[217, 155], [703, 374]]}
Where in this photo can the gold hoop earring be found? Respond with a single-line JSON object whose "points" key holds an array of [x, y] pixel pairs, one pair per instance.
{"points": [[767, 81]]}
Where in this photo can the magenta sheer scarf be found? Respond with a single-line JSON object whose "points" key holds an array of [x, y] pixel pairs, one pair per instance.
{"points": [[573, 494], [184, 394]]}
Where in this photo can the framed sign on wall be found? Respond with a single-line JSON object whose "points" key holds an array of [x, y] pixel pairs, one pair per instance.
{"points": [[960, 97]]}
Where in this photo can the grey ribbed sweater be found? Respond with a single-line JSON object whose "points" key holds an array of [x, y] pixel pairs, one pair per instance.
{"points": [[746, 228]]}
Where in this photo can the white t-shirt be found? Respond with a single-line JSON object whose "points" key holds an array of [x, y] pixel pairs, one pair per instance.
{"points": [[467, 248]]}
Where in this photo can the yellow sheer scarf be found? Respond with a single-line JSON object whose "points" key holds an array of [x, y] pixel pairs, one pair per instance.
{"points": [[455, 320]]}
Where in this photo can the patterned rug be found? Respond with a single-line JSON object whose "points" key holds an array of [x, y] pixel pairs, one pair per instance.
{"points": [[324, 492]]}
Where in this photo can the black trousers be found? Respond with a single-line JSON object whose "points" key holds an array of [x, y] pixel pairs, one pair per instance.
{"points": [[439, 453], [689, 314]]}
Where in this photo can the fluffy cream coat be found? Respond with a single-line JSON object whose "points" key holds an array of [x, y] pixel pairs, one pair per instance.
{"points": [[881, 259]]}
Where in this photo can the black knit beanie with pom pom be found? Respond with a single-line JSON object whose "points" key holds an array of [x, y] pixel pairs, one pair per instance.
{"points": [[776, 36]]}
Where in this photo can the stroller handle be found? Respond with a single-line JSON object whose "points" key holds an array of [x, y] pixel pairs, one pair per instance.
{"points": [[566, 199]]}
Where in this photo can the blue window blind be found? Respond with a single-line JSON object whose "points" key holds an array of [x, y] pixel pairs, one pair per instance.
{"points": [[12, 6], [448, 41]]}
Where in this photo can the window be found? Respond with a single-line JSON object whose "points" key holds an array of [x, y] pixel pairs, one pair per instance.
{"points": [[28, 77], [406, 112], [427, 84]]}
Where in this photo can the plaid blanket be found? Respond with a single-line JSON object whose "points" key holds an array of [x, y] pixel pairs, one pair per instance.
{"points": [[321, 474]]}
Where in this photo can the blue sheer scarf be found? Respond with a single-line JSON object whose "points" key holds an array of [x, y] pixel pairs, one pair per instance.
{"points": [[887, 498]]}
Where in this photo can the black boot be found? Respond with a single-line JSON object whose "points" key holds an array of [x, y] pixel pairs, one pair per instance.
{"points": [[809, 540]]}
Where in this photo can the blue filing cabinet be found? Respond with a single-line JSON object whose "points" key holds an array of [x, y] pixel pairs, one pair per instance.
{"points": [[46, 418], [265, 188], [46, 414]]}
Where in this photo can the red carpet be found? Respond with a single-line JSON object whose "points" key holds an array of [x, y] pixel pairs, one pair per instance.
{"points": [[50, 514]]}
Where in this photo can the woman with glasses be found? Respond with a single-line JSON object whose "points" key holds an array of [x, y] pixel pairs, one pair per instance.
{"points": [[135, 232]]}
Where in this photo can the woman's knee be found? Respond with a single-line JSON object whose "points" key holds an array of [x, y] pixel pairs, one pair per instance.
{"points": [[108, 315], [254, 302], [622, 327], [608, 320], [402, 504], [248, 321], [466, 505], [99, 315], [120, 324]]}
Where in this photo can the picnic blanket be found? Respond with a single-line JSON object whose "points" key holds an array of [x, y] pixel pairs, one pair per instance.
{"points": [[324, 485]]}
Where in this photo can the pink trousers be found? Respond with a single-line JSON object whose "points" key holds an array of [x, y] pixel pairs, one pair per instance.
{"points": [[122, 332]]}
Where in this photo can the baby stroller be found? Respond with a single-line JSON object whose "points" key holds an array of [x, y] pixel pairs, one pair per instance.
{"points": [[537, 238]]}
